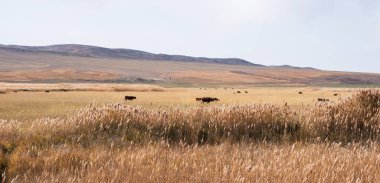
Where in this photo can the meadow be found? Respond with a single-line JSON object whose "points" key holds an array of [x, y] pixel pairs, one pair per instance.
{"points": [[36, 103], [270, 134]]}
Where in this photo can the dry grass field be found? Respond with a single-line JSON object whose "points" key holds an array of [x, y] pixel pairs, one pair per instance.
{"points": [[270, 134], [36, 103]]}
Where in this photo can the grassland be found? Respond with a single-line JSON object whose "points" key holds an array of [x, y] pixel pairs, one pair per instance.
{"points": [[222, 163], [39, 104], [265, 135]]}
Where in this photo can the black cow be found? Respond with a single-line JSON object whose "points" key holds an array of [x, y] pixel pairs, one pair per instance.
{"points": [[323, 100], [300, 93], [130, 98], [335, 94], [246, 92], [238, 92], [207, 99]]}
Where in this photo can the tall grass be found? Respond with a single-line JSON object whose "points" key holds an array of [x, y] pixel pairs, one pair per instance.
{"points": [[101, 139], [221, 163], [356, 119], [352, 120]]}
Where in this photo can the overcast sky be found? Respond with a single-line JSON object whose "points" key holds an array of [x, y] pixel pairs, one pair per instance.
{"points": [[326, 34]]}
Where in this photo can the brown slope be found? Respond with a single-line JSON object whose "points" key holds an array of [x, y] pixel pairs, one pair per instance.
{"points": [[50, 66], [101, 52]]}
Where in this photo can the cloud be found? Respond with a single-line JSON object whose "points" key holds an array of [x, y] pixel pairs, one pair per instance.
{"points": [[240, 12]]}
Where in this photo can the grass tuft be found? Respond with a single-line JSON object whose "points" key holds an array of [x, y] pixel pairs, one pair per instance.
{"points": [[335, 142]]}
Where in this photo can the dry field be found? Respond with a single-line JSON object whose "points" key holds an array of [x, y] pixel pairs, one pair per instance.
{"points": [[265, 135], [39, 104]]}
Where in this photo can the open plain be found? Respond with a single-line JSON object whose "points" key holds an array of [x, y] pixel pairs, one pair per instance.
{"points": [[62, 99], [89, 133], [79, 113], [215, 91]]}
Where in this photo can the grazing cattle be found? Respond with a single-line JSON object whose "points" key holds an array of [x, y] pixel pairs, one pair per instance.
{"points": [[238, 92], [323, 100], [335, 94], [47, 91], [246, 92], [198, 99], [207, 99], [300, 93], [130, 98]]}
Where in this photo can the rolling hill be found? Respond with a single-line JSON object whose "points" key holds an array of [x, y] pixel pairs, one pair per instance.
{"points": [[83, 63], [100, 52]]}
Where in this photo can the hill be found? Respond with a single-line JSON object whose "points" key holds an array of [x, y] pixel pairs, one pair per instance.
{"points": [[100, 52], [82, 63]]}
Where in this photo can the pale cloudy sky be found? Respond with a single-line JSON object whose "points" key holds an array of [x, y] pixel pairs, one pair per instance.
{"points": [[326, 34]]}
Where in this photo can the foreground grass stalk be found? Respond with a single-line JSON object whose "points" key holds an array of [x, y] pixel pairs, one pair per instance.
{"points": [[233, 143]]}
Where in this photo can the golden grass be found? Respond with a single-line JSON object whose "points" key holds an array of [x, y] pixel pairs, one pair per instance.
{"points": [[353, 120], [241, 142], [223, 163], [33, 105]]}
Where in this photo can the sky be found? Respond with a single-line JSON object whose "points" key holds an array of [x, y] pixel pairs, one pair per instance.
{"points": [[339, 35]]}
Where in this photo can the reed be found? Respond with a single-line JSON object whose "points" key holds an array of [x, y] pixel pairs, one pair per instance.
{"points": [[213, 143]]}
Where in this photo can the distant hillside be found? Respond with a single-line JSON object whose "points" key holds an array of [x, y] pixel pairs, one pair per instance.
{"points": [[79, 63], [100, 52]]}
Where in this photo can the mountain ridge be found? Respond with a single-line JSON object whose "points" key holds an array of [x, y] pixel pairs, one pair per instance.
{"points": [[121, 53]]}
